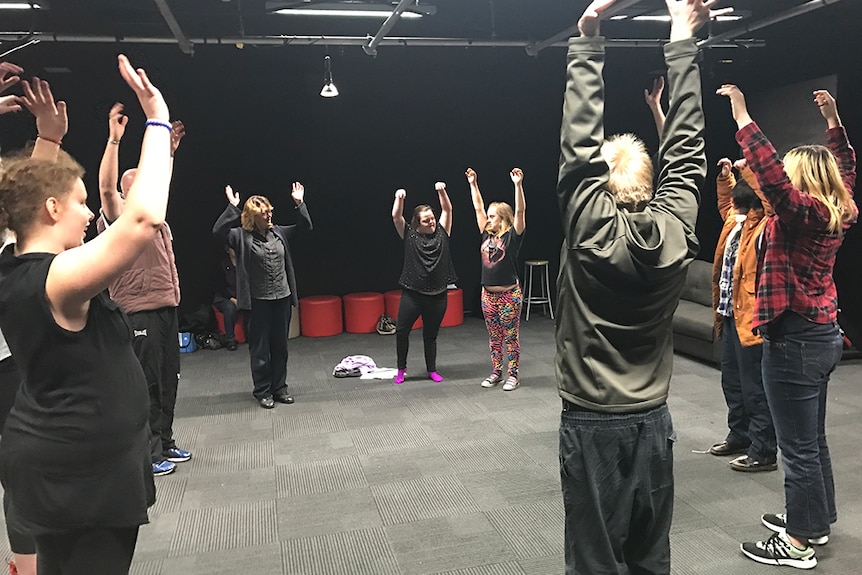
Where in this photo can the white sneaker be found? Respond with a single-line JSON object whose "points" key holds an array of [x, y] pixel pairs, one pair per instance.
{"points": [[492, 380], [511, 383]]}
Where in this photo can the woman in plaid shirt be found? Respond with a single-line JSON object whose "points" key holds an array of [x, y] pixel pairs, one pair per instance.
{"points": [[811, 192]]}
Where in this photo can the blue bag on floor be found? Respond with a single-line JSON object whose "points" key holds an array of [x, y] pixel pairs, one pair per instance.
{"points": [[187, 342]]}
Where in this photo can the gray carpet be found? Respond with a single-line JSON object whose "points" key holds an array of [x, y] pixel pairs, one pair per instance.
{"points": [[369, 478]]}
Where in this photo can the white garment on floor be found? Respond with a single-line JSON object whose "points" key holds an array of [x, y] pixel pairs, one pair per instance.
{"points": [[380, 373]]}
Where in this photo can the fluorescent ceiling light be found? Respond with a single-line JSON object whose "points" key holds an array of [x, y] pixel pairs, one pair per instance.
{"points": [[666, 17], [347, 9], [18, 6], [342, 12]]}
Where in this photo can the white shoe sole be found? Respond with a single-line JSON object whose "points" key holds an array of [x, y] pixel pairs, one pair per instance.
{"points": [[797, 563]]}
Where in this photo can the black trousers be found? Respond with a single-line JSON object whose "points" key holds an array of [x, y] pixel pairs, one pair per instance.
{"points": [[616, 472], [87, 551], [157, 349], [229, 310], [268, 325], [432, 308]]}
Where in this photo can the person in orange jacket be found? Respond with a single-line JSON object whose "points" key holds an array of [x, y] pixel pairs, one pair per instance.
{"points": [[751, 434]]}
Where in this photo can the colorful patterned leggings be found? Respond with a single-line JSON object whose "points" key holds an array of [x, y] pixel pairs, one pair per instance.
{"points": [[502, 311]]}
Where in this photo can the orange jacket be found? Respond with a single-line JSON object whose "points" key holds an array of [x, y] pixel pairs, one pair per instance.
{"points": [[745, 270]]}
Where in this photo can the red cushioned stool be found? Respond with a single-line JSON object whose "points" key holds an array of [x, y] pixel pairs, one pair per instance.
{"points": [[454, 308], [362, 310], [320, 315], [393, 300], [238, 329]]}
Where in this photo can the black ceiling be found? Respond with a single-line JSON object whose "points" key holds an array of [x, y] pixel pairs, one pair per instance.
{"points": [[502, 20]]}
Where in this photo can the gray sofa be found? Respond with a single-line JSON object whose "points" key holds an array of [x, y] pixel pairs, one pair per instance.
{"points": [[693, 324]]}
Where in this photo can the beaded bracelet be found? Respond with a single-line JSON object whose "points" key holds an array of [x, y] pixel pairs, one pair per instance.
{"points": [[159, 123]]}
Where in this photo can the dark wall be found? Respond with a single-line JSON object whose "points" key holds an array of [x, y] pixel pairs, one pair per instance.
{"points": [[408, 118]]}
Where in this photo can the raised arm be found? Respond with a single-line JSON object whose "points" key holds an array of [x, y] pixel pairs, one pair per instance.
{"points": [[230, 217], [398, 212], [476, 196], [520, 204], [837, 138], [682, 156], [112, 252], [445, 207], [724, 187], [297, 194], [653, 101], [51, 119], [109, 195]]}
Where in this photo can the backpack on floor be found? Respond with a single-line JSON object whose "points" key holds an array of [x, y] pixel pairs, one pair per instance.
{"points": [[187, 342]]}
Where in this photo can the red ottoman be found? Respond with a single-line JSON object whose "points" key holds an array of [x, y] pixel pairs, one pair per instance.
{"points": [[239, 328], [361, 311], [320, 315], [454, 308], [393, 300]]}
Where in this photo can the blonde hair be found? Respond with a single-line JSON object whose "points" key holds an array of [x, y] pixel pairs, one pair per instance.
{"points": [[27, 183], [505, 215], [631, 171], [813, 170], [254, 206]]}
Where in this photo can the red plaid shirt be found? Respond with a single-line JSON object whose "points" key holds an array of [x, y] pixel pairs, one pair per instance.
{"points": [[798, 252]]}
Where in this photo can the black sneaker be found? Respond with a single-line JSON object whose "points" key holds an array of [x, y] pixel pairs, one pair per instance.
{"points": [[745, 463], [778, 522], [778, 550], [725, 448]]}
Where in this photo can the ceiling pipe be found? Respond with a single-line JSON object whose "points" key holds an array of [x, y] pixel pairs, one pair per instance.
{"points": [[370, 47], [185, 46], [534, 49], [746, 28], [403, 41]]}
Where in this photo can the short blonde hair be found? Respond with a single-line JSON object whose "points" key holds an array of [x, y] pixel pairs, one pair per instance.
{"points": [[631, 171], [506, 216], [813, 170], [255, 205]]}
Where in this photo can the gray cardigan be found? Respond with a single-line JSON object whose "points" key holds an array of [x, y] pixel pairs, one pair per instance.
{"points": [[227, 228], [621, 272]]}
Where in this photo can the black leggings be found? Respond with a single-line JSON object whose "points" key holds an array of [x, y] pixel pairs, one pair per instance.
{"points": [[432, 308], [87, 551]]}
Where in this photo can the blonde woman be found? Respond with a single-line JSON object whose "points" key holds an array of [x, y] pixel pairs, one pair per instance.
{"points": [[811, 193], [265, 284], [502, 231]]}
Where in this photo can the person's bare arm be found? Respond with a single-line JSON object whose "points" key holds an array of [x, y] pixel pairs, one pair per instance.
{"points": [[398, 212], [445, 207], [476, 196], [109, 195], [517, 176]]}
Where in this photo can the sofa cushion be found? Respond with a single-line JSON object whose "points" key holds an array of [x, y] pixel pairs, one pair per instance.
{"points": [[698, 284], [694, 320]]}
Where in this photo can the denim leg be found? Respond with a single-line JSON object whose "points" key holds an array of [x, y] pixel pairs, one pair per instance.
{"points": [[761, 431], [616, 472], [797, 363], [731, 384]]}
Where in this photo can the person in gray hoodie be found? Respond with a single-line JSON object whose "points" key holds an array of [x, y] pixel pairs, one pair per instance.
{"points": [[627, 245]]}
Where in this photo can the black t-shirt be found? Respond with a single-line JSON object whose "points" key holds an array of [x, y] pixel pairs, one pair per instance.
{"points": [[75, 450], [427, 264], [500, 258]]}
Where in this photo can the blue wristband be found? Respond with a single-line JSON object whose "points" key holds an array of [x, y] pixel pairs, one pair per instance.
{"points": [[159, 123]]}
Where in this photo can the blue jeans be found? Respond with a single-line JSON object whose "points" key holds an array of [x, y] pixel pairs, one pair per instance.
{"points": [[616, 471], [748, 417], [798, 357]]}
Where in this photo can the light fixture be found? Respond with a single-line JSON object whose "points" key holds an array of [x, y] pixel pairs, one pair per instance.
{"points": [[22, 5], [347, 9], [329, 90], [723, 16]]}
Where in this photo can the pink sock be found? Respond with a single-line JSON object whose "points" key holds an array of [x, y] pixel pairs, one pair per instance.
{"points": [[436, 377], [400, 377]]}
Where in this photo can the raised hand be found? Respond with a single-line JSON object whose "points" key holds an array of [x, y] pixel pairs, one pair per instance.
{"points": [[52, 123], [740, 164], [726, 166], [9, 104], [440, 186], [517, 176], [687, 16], [232, 196], [588, 24], [151, 100], [177, 133], [737, 103], [10, 74], [653, 97], [117, 122], [400, 194], [471, 176], [297, 192], [828, 107]]}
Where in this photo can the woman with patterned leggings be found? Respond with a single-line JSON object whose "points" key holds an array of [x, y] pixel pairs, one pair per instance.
{"points": [[502, 231]]}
